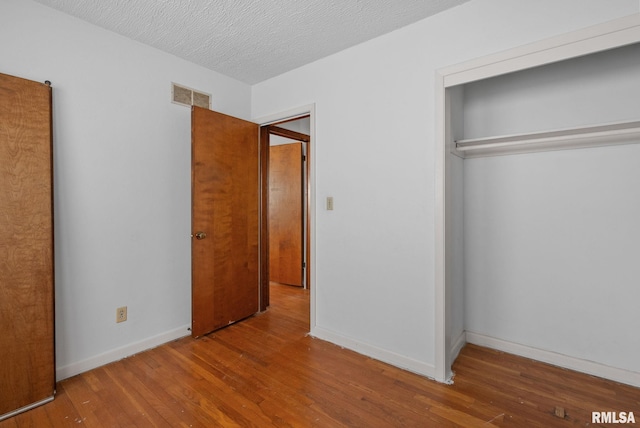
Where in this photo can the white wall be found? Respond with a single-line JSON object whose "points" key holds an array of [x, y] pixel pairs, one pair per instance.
{"points": [[374, 153], [552, 252], [551, 239], [122, 179], [302, 125], [590, 90]]}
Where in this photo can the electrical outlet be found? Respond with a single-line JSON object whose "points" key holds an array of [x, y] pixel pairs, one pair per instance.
{"points": [[121, 314]]}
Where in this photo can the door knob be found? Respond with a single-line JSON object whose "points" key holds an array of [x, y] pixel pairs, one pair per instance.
{"points": [[201, 235]]}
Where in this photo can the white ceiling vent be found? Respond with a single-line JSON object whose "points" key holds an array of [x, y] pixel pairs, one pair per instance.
{"points": [[189, 97]]}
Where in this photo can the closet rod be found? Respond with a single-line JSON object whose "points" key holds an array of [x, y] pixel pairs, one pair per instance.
{"points": [[569, 138]]}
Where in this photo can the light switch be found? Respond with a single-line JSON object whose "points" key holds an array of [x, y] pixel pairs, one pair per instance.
{"points": [[329, 203]]}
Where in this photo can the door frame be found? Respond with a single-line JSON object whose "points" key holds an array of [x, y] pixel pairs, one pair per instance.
{"points": [[263, 121]]}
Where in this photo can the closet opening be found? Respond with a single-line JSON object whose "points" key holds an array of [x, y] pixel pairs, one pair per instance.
{"points": [[534, 242]]}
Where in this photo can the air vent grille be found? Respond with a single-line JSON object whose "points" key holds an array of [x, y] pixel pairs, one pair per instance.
{"points": [[189, 97]]}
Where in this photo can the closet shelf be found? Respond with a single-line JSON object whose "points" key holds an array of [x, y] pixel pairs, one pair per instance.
{"points": [[570, 138]]}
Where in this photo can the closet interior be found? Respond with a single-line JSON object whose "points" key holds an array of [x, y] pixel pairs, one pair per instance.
{"points": [[542, 202]]}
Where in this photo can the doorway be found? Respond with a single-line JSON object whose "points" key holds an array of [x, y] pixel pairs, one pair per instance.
{"points": [[288, 202], [286, 228], [212, 134]]}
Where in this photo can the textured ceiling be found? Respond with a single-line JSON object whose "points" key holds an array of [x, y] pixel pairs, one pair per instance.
{"points": [[251, 40]]}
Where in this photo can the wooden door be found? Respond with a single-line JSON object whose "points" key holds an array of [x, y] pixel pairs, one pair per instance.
{"points": [[225, 220], [286, 214], [27, 367]]}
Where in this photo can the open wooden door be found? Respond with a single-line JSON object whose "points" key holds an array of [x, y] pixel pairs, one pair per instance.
{"points": [[286, 223], [27, 354], [225, 220]]}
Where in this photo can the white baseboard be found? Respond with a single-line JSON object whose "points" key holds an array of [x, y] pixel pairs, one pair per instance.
{"points": [[374, 352], [589, 367], [120, 353]]}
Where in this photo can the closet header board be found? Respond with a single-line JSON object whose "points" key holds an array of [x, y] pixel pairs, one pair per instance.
{"points": [[598, 38]]}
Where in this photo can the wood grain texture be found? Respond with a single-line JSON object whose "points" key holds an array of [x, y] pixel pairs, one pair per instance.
{"points": [[307, 201], [285, 214], [282, 132], [26, 244], [266, 372], [264, 217], [286, 133], [225, 186]]}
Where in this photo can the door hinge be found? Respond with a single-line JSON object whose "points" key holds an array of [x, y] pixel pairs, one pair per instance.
{"points": [[304, 158], [304, 265]]}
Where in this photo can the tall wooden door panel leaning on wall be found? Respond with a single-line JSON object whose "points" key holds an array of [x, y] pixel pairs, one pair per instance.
{"points": [[27, 368]]}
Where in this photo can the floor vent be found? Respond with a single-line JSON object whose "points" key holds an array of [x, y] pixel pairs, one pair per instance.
{"points": [[189, 97]]}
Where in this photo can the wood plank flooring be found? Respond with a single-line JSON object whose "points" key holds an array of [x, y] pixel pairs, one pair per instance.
{"points": [[265, 371]]}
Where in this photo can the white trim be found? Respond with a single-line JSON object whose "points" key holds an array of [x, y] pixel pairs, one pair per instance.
{"points": [[293, 113], [540, 45], [374, 352], [585, 366], [309, 109], [597, 38], [25, 408], [593, 39], [120, 353], [442, 366]]}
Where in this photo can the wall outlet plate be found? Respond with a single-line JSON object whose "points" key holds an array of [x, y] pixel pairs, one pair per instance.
{"points": [[121, 314]]}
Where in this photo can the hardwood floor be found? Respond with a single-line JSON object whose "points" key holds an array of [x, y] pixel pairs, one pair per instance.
{"points": [[266, 372]]}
